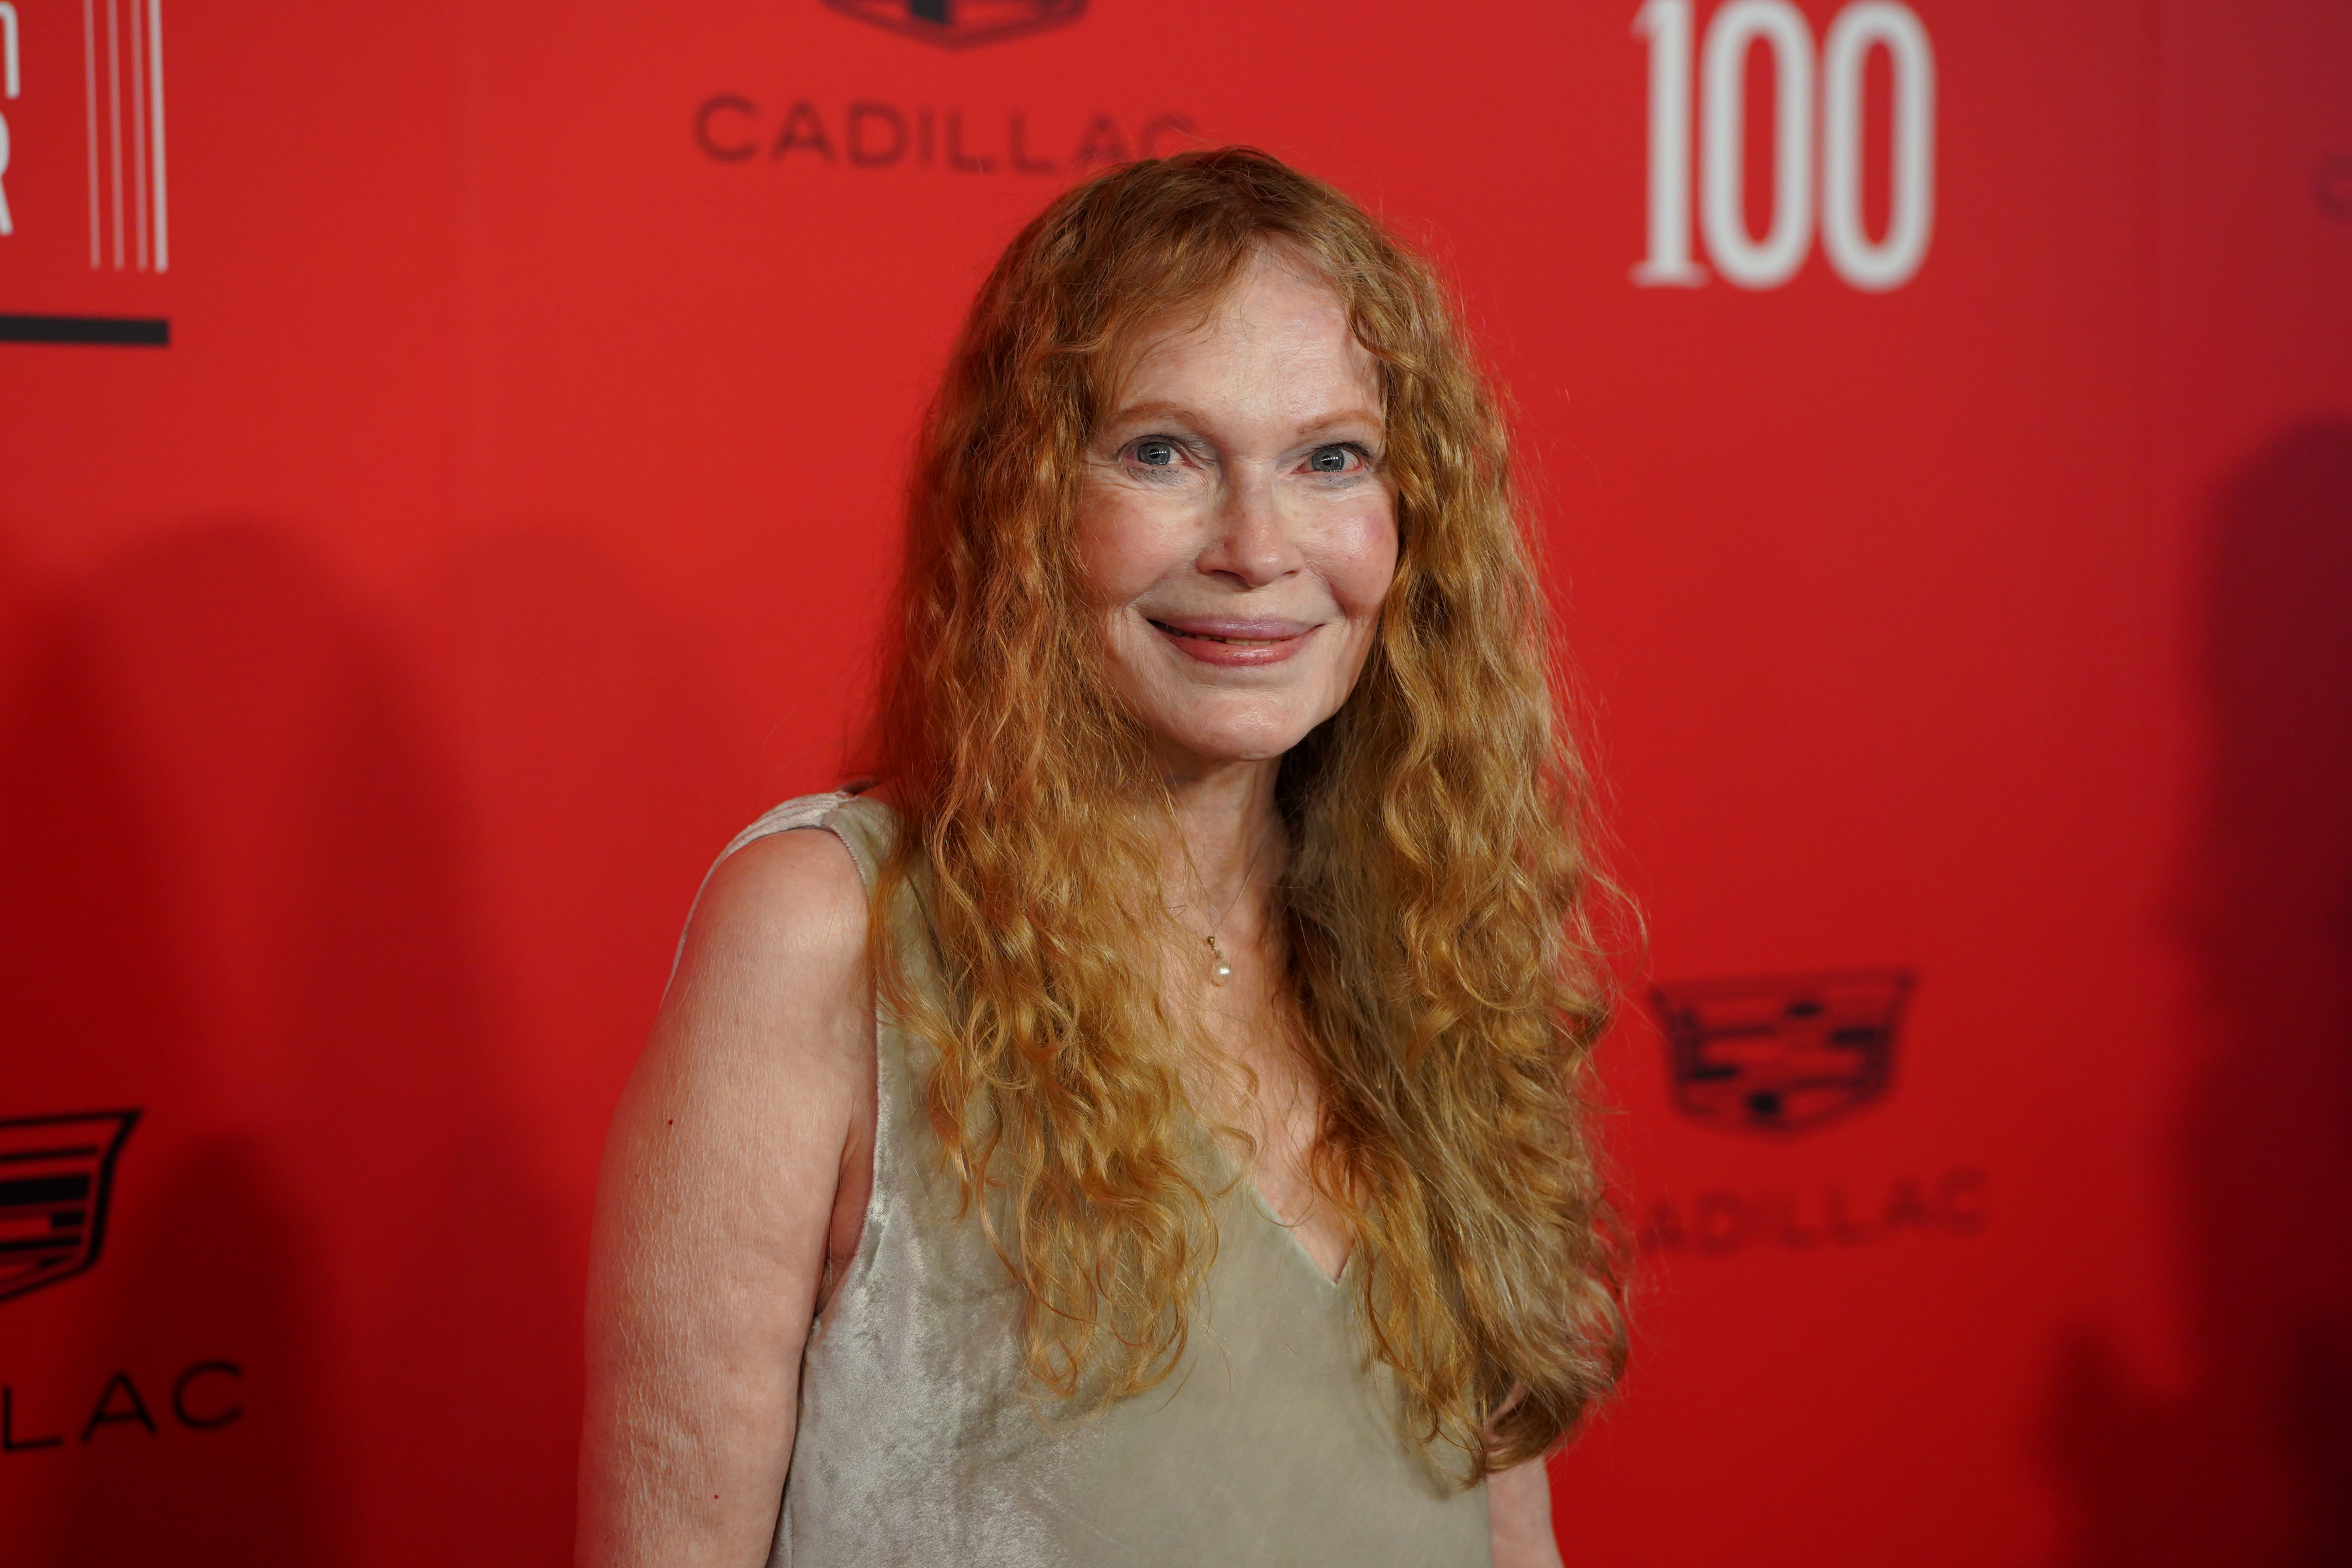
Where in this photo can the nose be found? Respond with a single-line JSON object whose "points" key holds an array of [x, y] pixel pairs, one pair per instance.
{"points": [[1249, 541]]}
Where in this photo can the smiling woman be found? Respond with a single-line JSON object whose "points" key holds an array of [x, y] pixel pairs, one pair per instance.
{"points": [[1147, 1127]]}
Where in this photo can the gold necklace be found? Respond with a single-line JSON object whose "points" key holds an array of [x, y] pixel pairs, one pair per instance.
{"points": [[1220, 969]]}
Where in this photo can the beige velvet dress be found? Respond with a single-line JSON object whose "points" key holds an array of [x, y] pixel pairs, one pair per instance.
{"points": [[1273, 1443]]}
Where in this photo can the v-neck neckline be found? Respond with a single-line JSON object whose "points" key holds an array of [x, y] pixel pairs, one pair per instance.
{"points": [[1242, 1179]]}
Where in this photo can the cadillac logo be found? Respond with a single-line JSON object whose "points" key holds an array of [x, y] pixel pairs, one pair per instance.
{"points": [[55, 1175], [1783, 1053], [956, 22]]}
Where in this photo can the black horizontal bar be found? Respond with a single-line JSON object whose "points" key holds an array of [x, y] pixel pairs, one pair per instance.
{"points": [[45, 1190], [18, 1155], [134, 331]]}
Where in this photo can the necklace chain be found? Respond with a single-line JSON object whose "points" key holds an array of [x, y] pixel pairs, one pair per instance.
{"points": [[1221, 968]]}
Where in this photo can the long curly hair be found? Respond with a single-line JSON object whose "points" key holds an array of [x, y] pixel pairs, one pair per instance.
{"points": [[1440, 912]]}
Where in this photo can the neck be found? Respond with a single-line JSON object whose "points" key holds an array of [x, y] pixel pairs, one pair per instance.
{"points": [[1225, 830]]}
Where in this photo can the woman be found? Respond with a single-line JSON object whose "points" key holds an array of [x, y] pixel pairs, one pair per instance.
{"points": [[1147, 1129]]}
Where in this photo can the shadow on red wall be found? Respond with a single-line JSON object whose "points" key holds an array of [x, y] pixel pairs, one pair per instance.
{"points": [[223, 1267], [219, 764], [2253, 1465]]}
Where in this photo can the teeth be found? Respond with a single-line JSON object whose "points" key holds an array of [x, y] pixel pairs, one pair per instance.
{"points": [[1210, 636]]}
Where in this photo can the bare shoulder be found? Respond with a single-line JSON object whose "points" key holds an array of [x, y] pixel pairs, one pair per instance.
{"points": [[771, 991], [789, 906], [745, 1095]]}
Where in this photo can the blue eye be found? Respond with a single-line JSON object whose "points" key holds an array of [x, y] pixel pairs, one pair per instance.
{"points": [[1155, 454], [1330, 459]]}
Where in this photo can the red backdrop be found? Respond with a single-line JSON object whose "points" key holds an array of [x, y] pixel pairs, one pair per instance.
{"points": [[507, 520]]}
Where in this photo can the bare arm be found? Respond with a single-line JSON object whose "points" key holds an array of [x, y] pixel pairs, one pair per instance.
{"points": [[1518, 1502], [713, 1211]]}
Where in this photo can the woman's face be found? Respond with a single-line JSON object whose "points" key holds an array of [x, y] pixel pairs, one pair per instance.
{"points": [[1237, 525]]}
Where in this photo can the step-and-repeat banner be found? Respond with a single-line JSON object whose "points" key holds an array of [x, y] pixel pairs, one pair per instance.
{"points": [[447, 455]]}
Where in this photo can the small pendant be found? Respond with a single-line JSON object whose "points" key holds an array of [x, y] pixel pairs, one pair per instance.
{"points": [[1219, 970]]}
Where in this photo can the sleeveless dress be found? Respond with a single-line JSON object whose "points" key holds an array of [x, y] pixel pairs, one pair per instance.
{"points": [[1276, 1441]]}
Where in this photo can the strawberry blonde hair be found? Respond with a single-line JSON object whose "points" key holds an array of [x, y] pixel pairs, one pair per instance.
{"points": [[1437, 913]]}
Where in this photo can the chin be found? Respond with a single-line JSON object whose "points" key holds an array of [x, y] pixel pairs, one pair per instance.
{"points": [[1252, 740]]}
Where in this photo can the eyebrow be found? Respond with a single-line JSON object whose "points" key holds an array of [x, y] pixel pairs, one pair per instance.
{"points": [[1180, 414]]}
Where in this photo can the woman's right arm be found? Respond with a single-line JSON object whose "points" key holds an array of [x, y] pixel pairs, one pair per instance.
{"points": [[713, 1212]]}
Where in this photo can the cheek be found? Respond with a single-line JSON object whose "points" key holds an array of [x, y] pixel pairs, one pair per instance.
{"points": [[1360, 561], [1120, 550]]}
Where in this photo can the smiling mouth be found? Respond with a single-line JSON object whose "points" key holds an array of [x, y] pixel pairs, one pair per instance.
{"points": [[1181, 633], [1235, 645]]}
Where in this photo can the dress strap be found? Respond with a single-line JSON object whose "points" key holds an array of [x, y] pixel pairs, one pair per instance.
{"points": [[802, 811]]}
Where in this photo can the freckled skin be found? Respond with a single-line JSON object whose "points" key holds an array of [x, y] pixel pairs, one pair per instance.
{"points": [[1240, 475]]}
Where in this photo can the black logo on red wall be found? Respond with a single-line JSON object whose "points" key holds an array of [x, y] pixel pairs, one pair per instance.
{"points": [[1782, 1053], [957, 22], [56, 1176]]}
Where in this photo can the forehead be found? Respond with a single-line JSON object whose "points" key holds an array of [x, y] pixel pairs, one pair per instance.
{"points": [[1277, 325]]}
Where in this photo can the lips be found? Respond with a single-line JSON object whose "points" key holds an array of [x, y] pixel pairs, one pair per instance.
{"points": [[1233, 644]]}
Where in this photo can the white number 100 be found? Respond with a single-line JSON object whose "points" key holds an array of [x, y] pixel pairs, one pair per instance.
{"points": [[1768, 260]]}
